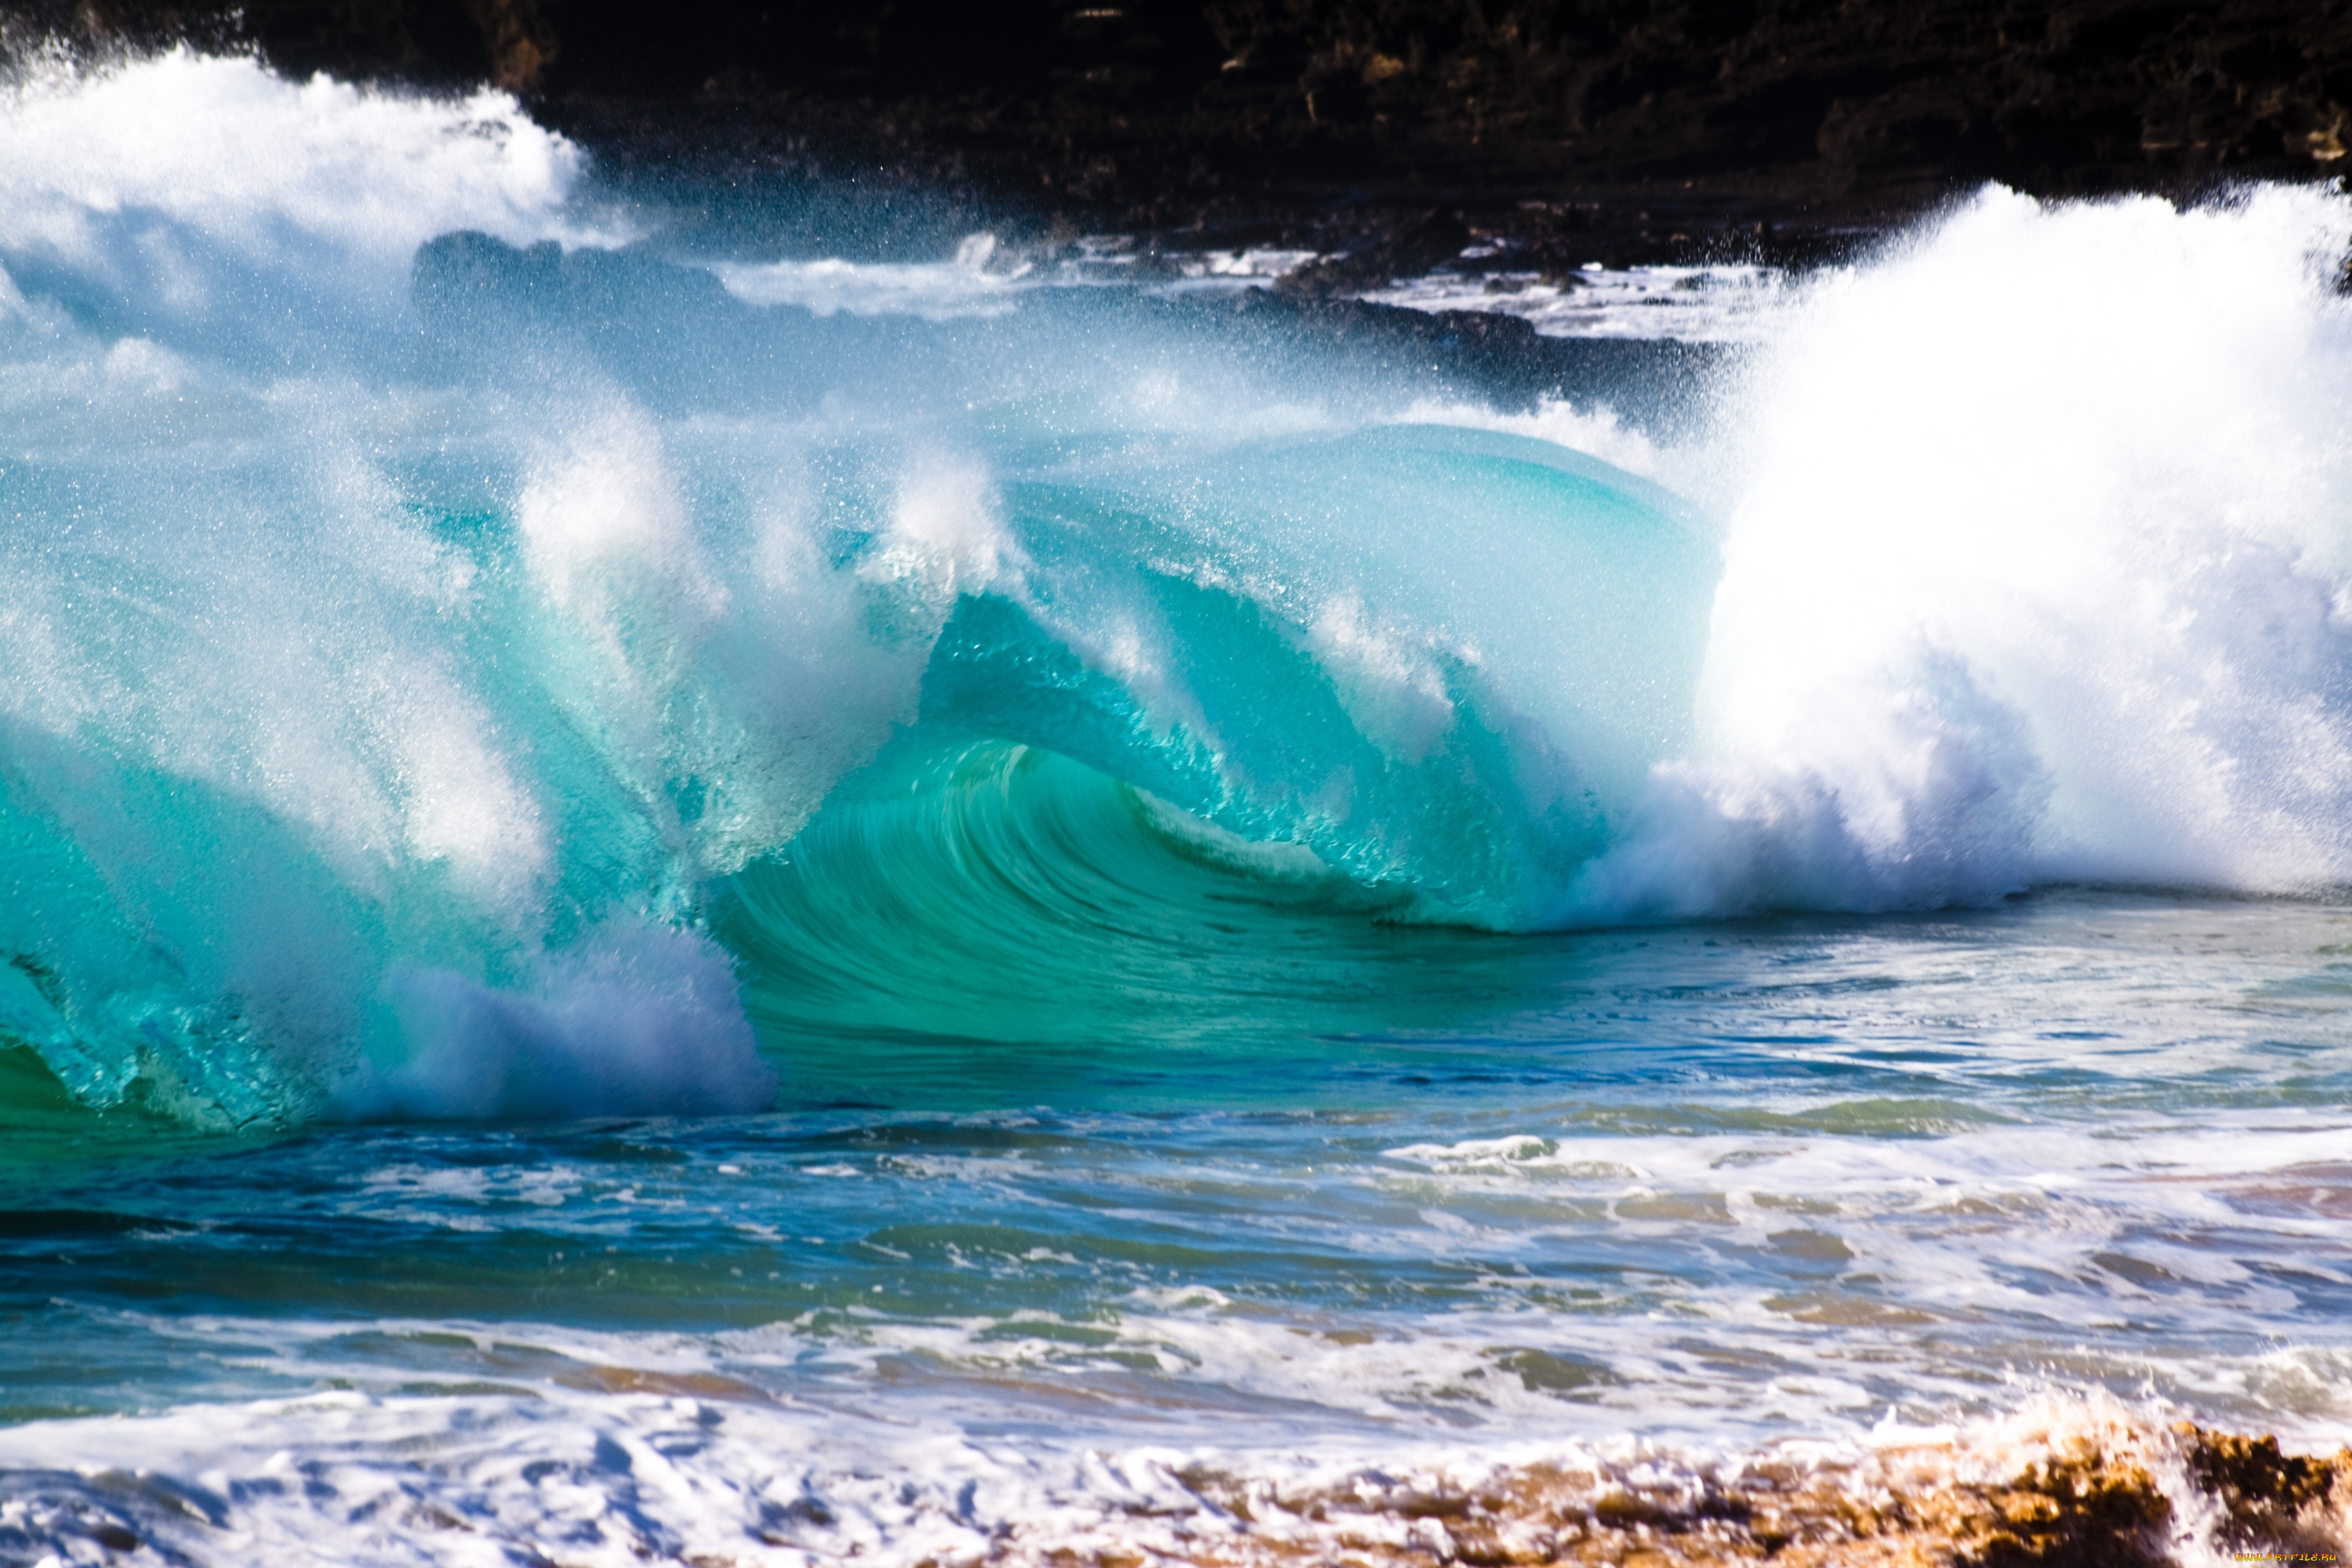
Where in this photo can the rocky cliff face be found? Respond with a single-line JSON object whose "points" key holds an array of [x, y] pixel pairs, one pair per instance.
{"points": [[1838, 96], [1149, 105]]}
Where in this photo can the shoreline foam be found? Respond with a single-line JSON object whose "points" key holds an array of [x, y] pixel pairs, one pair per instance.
{"points": [[660, 1472]]}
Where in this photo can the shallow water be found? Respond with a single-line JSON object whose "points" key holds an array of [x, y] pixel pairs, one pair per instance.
{"points": [[726, 898]]}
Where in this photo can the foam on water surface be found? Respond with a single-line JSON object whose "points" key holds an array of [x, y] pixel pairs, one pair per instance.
{"points": [[697, 1472], [1730, 304]]}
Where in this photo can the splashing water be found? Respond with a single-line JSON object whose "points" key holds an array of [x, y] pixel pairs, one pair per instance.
{"points": [[2033, 571]]}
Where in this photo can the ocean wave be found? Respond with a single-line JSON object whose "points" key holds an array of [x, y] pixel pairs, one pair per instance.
{"points": [[423, 588]]}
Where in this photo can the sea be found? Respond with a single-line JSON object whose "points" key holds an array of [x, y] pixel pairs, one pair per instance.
{"points": [[803, 884]]}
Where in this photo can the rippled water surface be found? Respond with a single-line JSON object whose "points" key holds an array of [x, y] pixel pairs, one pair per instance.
{"points": [[1733, 1182]]}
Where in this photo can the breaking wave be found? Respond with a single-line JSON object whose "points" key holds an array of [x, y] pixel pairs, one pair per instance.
{"points": [[460, 652]]}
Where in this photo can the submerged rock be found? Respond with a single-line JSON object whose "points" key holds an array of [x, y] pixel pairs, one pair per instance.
{"points": [[1416, 247], [2073, 1491]]}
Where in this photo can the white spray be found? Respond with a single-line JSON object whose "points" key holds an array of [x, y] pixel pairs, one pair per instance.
{"points": [[2035, 568]]}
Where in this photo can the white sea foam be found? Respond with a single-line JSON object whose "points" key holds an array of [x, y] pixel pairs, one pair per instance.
{"points": [[976, 283], [705, 1474], [2034, 567], [596, 1481], [1228, 271], [1685, 304]]}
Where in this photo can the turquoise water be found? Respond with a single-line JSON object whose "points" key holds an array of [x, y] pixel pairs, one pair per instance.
{"points": [[726, 901]]}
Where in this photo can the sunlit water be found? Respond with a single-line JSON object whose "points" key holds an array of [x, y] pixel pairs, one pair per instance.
{"points": [[739, 898]]}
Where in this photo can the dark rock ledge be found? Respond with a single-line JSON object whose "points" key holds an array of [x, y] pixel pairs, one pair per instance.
{"points": [[1617, 130]]}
